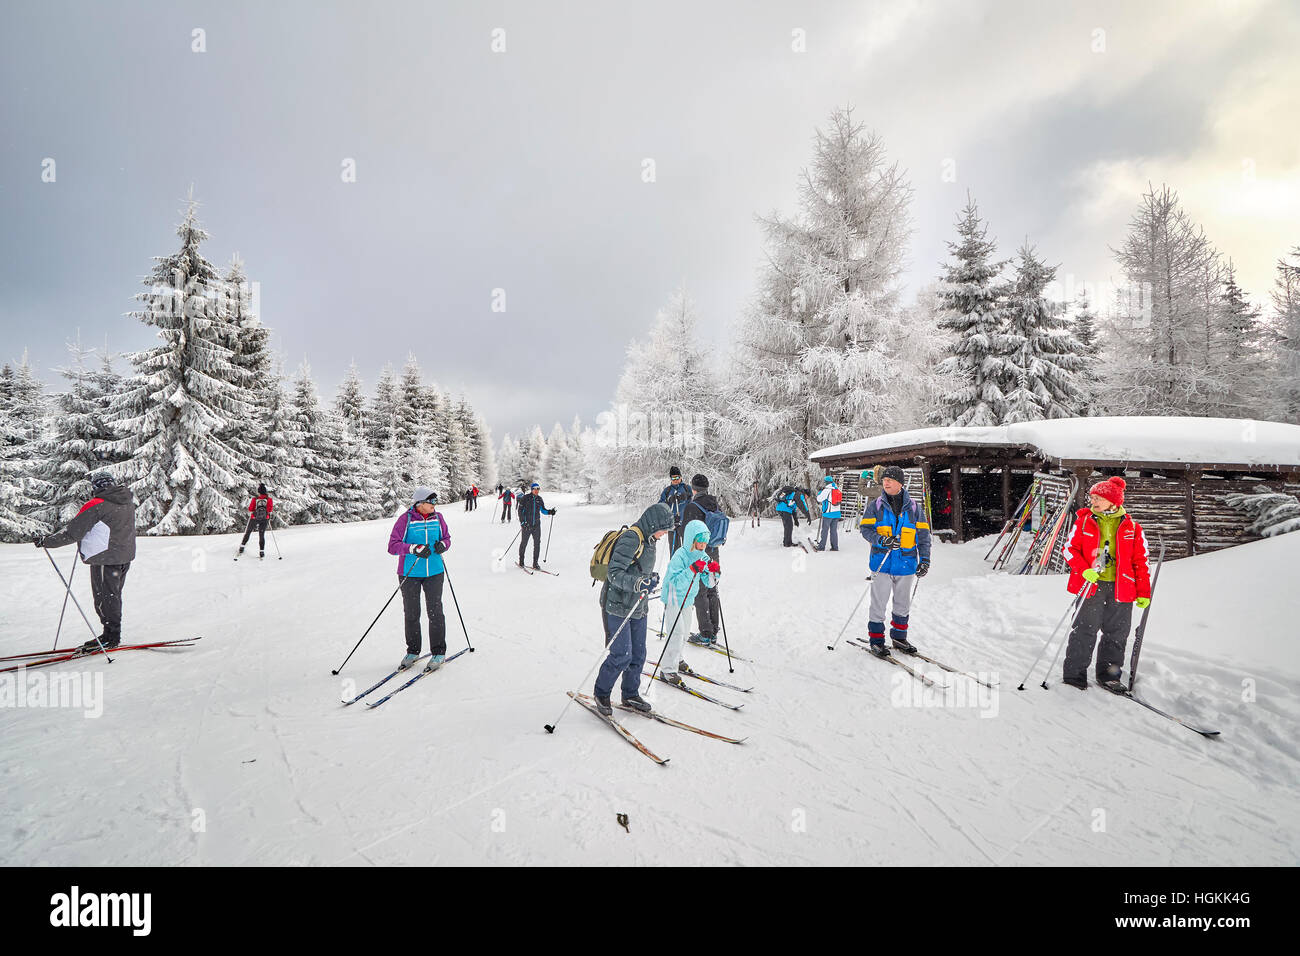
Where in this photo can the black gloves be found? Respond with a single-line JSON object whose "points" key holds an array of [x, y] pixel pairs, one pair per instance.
{"points": [[420, 550], [554, 512], [922, 568], [440, 547], [649, 582], [39, 541]]}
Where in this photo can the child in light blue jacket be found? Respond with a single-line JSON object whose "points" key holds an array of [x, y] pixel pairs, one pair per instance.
{"points": [[687, 570]]}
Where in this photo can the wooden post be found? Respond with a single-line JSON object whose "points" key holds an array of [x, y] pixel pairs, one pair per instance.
{"points": [[1189, 510], [955, 483], [1006, 492], [1081, 496]]}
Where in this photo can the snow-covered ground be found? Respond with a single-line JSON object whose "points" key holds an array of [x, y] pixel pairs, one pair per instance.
{"points": [[237, 752]]}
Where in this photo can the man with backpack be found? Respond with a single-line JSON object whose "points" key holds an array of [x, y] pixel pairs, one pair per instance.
{"points": [[704, 507], [507, 496], [675, 495], [531, 509], [830, 499], [626, 565], [788, 499], [259, 516]]}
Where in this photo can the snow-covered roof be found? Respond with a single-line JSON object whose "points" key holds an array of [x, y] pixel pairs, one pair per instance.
{"points": [[1116, 439]]}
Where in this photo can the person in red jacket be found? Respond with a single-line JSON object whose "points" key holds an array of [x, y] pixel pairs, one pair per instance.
{"points": [[1107, 553], [259, 516]]}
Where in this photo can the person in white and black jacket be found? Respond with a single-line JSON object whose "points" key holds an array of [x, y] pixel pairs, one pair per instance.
{"points": [[104, 531]]}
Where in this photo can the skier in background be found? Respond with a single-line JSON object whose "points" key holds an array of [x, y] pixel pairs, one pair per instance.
{"points": [[473, 497], [259, 516], [788, 500], [507, 496], [420, 537], [530, 511], [675, 495], [900, 548], [1107, 552], [708, 613], [631, 571], [829, 499], [104, 530], [755, 508]]}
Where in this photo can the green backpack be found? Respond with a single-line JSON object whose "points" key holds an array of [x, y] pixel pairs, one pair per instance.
{"points": [[605, 549]]}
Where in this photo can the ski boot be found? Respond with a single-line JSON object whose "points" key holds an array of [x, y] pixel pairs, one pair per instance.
{"points": [[261, 555], [1115, 686], [636, 703], [434, 663], [671, 677], [877, 646], [241, 551], [1078, 681], [602, 705], [904, 645], [536, 566], [407, 661], [684, 668]]}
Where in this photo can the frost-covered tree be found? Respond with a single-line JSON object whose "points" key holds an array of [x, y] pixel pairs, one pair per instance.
{"points": [[1241, 352], [531, 455], [1271, 513], [1285, 349], [557, 457], [17, 507], [1087, 332], [79, 431], [971, 296], [510, 465], [461, 468], [1160, 356], [181, 400], [487, 459], [287, 481], [381, 422], [239, 330], [320, 453], [809, 368], [1042, 360]]}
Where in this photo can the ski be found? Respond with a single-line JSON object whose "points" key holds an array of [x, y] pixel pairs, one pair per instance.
{"points": [[523, 569], [76, 654], [1142, 624], [619, 729], [554, 574], [715, 647], [695, 693], [422, 673], [1151, 707], [717, 683], [812, 545], [891, 659], [655, 715], [953, 670], [382, 681]]}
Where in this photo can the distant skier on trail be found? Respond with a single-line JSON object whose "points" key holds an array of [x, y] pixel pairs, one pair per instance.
{"points": [[530, 511], [829, 499], [631, 571], [1104, 533], [689, 573], [755, 510], [104, 530], [420, 537], [259, 516], [704, 507], [790, 498], [900, 549], [507, 496], [675, 495]]}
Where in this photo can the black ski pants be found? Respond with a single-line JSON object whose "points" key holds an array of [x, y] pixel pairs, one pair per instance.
{"points": [[260, 524], [106, 582], [505, 513], [707, 613], [1100, 613], [533, 531], [432, 588], [787, 522]]}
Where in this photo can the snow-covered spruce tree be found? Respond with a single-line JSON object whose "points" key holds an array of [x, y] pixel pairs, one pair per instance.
{"points": [[487, 459], [28, 433], [18, 509], [510, 466], [809, 368], [350, 403], [1042, 356], [1241, 352], [469, 428], [557, 455], [320, 454], [461, 472], [531, 454], [1087, 332], [589, 477], [1271, 513], [381, 420], [251, 363], [663, 410], [573, 462], [287, 481], [71, 449], [180, 400], [972, 297], [358, 478], [421, 433], [921, 344], [1156, 347], [1285, 351]]}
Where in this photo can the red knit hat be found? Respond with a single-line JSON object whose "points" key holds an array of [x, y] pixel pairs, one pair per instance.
{"points": [[1112, 489]]}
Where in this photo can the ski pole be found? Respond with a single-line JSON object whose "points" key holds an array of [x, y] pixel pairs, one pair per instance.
{"points": [[722, 618], [59, 629], [865, 592], [644, 595], [668, 636], [507, 549], [457, 603], [1075, 603], [1103, 558], [276, 543], [372, 624], [1142, 624], [550, 529], [68, 586]]}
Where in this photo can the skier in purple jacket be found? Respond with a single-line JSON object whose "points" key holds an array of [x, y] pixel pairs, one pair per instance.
{"points": [[420, 537]]}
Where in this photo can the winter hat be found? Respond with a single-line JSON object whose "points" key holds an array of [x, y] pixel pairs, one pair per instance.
{"points": [[261, 488], [101, 480], [829, 479], [422, 494], [1112, 489], [534, 485], [657, 518], [893, 471], [699, 481], [674, 472]]}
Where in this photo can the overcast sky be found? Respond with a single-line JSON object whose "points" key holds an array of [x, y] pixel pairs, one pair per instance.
{"points": [[522, 170]]}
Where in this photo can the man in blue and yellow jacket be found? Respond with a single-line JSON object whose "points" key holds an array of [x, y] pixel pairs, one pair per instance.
{"points": [[900, 549]]}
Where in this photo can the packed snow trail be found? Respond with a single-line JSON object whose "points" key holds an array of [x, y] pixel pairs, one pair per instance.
{"points": [[236, 751]]}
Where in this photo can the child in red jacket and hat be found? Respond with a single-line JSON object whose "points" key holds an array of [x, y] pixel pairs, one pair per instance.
{"points": [[1107, 553]]}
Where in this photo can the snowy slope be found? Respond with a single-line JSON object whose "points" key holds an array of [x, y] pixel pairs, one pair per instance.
{"points": [[845, 763]]}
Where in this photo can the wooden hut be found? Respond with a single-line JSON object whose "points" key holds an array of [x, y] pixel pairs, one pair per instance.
{"points": [[1177, 470]]}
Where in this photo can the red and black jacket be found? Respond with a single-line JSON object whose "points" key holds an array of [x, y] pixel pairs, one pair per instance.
{"points": [[1132, 563]]}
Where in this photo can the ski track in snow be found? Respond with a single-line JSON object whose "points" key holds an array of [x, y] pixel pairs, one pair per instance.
{"points": [[848, 759]]}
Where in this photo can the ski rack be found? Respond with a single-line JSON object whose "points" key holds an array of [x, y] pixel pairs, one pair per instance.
{"points": [[1055, 500]]}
